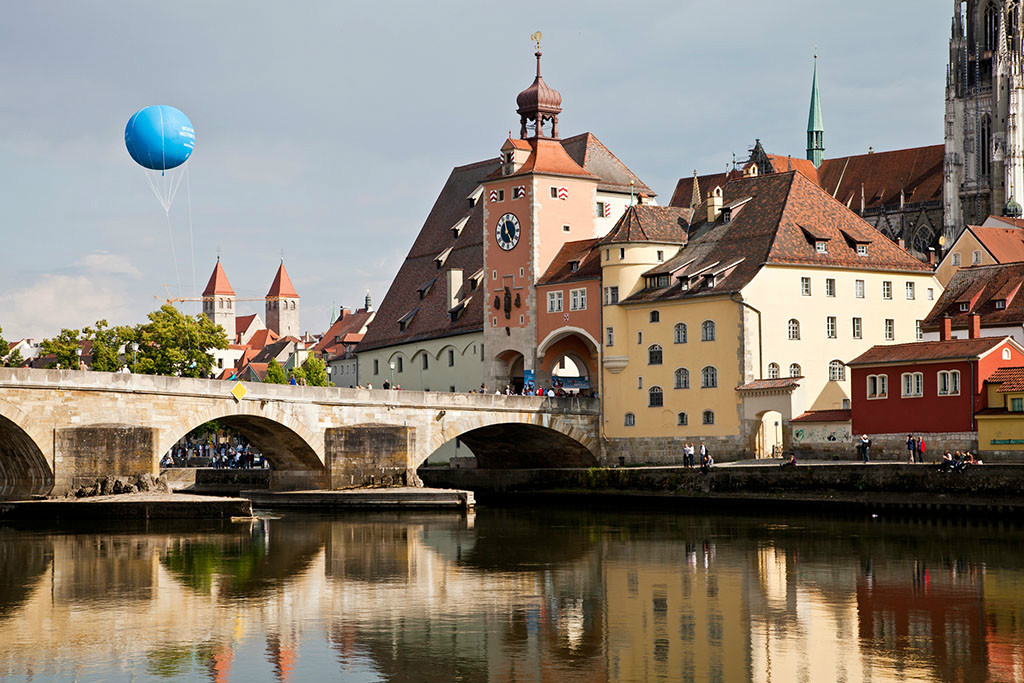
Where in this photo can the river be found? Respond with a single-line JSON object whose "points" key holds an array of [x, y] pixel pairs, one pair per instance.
{"points": [[516, 594]]}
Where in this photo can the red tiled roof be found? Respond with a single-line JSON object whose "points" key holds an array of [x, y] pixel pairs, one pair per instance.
{"points": [[683, 193], [916, 171], [1011, 379], [218, 284], [762, 384], [587, 151], [647, 223], [263, 337], [980, 287], [1006, 220], [347, 328], [1004, 244], [823, 416], [242, 323], [781, 164], [548, 157], [282, 285], [949, 349], [581, 252]]}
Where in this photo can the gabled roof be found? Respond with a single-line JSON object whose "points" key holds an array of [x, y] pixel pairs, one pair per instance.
{"points": [[263, 337], [683, 194], [647, 223], [823, 416], [547, 157], [788, 383], [773, 229], [278, 350], [948, 349], [282, 285], [587, 151], [1010, 379], [218, 284], [346, 328], [581, 252], [242, 323], [982, 285], [1003, 244]]}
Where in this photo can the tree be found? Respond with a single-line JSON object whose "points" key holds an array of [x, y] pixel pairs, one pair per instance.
{"points": [[275, 373], [175, 344], [64, 347], [315, 372], [106, 345], [14, 358]]}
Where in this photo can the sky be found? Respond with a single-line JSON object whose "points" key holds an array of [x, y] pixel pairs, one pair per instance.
{"points": [[325, 130]]}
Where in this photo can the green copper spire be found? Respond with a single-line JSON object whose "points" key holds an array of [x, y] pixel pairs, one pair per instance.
{"points": [[815, 128]]}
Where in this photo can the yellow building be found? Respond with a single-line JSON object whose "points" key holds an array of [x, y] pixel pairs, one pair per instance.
{"points": [[984, 245], [725, 339], [1001, 425]]}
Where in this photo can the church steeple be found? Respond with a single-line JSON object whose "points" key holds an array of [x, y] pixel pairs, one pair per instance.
{"points": [[815, 128], [540, 103]]}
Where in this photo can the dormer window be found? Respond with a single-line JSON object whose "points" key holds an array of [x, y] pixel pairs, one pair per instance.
{"points": [[821, 247], [1000, 304], [862, 250], [726, 215], [964, 307], [574, 266], [711, 280]]}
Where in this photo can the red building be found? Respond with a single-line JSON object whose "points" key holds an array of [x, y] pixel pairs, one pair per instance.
{"points": [[930, 387]]}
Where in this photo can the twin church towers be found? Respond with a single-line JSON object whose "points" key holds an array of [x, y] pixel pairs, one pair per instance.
{"points": [[281, 303]]}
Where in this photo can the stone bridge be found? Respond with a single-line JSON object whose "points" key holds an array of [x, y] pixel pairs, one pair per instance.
{"points": [[59, 428]]}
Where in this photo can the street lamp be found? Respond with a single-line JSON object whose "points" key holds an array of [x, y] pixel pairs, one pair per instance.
{"points": [[78, 353], [135, 356], [330, 371], [391, 364]]}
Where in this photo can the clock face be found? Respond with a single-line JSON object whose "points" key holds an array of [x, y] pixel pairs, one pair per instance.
{"points": [[507, 231]]}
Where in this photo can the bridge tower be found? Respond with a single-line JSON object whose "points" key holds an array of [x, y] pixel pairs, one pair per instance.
{"points": [[219, 300], [283, 305]]}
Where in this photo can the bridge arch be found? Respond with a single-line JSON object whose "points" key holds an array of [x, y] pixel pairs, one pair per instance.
{"points": [[286, 442], [24, 468], [519, 440]]}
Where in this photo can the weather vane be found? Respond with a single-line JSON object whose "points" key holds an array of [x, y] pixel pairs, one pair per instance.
{"points": [[536, 38]]}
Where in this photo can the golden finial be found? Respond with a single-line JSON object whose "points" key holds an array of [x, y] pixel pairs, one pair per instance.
{"points": [[536, 38]]}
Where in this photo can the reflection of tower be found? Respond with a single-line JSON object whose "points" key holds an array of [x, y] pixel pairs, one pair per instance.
{"points": [[281, 655], [220, 663], [283, 305], [219, 300]]}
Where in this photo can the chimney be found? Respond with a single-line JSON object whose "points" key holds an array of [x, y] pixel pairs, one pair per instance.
{"points": [[342, 313], [974, 332], [454, 285], [714, 204], [931, 256], [902, 243], [946, 332], [368, 303]]}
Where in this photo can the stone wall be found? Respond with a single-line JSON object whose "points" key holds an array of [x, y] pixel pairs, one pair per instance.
{"points": [[98, 451], [370, 455], [658, 450]]}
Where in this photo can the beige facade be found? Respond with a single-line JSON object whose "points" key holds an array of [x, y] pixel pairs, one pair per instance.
{"points": [[966, 251], [452, 364]]}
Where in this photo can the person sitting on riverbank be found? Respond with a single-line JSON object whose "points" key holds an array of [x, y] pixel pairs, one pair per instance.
{"points": [[706, 461], [946, 464], [791, 462]]}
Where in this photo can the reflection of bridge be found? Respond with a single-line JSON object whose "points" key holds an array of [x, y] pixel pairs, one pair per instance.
{"points": [[57, 426]]}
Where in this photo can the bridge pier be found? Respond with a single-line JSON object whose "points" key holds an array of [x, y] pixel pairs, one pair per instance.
{"points": [[367, 455], [84, 454]]}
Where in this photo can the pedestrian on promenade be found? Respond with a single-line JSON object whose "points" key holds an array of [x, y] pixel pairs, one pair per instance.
{"points": [[864, 446], [911, 447], [689, 451], [920, 449]]}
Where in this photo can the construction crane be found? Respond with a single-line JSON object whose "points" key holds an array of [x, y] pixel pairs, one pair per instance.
{"points": [[176, 299]]}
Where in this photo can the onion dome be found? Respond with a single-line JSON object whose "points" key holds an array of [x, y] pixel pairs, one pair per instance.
{"points": [[1012, 209], [539, 103]]}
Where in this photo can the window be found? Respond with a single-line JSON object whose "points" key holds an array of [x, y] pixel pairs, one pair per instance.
{"points": [[956, 259], [400, 363], [494, 275], [857, 331], [910, 291], [964, 307], [566, 228], [821, 247], [858, 289], [630, 419], [578, 299], [795, 371], [682, 420], [886, 289], [639, 337], [918, 332], [709, 417], [975, 257], [1000, 304], [451, 358], [554, 193], [830, 327], [949, 383], [913, 384], [654, 354], [611, 296], [793, 328], [680, 333], [862, 250], [836, 371], [622, 253], [1017, 405], [639, 382], [607, 254], [554, 302], [376, 367], [931, 294], [707, 330], [655, 398], [708, 378], [661, 256], [805, 286], [501, 195], [425, 361], [599, 210], [655, 317], [830, 286], [610, 332], [890, 329], [774, 371], [682, 376], [1006, 354], [878, 386]]}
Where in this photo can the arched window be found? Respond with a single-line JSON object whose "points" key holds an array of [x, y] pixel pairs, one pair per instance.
{"points": [[709, 417], [682, 420], [773, 371], [795, 371], [836, 371], [655, 317], [793, 328], [680, 333], [630, 419], [707, 330], [708, 378], [1011, 24], [991, 27], [985, 145], [682, 378], [654, 354], [655, 397]]}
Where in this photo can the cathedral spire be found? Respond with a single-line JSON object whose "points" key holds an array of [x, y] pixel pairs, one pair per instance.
{"points": [[815, 128]]}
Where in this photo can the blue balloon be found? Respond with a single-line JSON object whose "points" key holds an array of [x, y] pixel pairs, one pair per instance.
{"points": [[159, 137]]}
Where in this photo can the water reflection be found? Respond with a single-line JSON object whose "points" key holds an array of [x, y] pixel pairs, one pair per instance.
{"points": [[516, 595]]}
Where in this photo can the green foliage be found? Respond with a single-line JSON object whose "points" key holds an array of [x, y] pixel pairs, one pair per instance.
{"points": [[64, 346], [4, 345], [275, 373], [175, 344], [106, 345], [14, 358], [315, 372]]}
